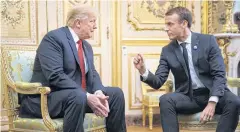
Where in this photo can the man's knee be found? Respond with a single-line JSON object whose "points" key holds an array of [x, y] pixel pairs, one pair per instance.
{"points": [[118, 93], [78, 97], [235, 103], [165, 98]]}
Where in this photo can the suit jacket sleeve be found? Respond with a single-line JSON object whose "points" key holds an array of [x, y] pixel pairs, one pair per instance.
{"points": [[161, 75], [50, 54], [217, 68]]}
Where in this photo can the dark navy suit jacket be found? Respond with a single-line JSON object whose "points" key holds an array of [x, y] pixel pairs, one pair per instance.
{"points": [[57, 63], [207, 60]]}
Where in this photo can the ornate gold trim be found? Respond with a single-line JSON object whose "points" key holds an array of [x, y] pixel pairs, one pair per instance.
{"points": [[207, 14], [223, 43], [145, 42], [100, 59], [116, 47], [204, 17], [5, 49]]}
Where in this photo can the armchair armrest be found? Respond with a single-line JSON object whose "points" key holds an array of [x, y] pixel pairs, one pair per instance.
{"points": [[166, 87], [169, 86], [27, 88], [233, 82], [36, 88]]}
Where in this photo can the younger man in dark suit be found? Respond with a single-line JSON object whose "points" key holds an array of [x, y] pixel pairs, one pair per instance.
{"points": [[199, 73]]}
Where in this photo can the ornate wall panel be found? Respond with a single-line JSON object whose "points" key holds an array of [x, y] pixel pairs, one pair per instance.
{"points": [[18, 22], [154, 10], [144, 20], [97, 63], [217, 17]]}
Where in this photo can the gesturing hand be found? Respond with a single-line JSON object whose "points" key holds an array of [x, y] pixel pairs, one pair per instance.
{"points": [[139, 64], [95, 103]]}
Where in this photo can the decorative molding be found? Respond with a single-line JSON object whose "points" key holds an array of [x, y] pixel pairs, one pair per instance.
{"points": [[145, 42], [98, 63], [116, 45], [223, 43], [12, 12], [215, 16], [156, 11], [19, 25]]}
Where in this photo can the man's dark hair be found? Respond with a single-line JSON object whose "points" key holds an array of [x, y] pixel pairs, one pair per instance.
{"points": [[183, 13]]}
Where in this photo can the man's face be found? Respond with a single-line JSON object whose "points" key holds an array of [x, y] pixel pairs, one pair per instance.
{"points": [[173, 27], [87, 27]]}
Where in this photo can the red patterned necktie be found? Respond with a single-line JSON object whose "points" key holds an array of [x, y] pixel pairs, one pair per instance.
{"points": [[82, 64]]}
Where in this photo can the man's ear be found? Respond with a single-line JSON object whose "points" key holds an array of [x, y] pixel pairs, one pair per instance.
{"points": [[185, 23], [78, 23]]}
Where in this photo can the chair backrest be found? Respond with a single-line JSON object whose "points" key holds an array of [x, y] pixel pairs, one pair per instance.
{"points": [[17, 64]]}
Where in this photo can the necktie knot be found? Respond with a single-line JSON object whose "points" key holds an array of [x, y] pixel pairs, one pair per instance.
{"points": [[183, 44], [79, 42]]}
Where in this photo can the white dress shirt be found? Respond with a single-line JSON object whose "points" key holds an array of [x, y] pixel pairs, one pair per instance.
{"points": [[76, 38], [196, 83]]}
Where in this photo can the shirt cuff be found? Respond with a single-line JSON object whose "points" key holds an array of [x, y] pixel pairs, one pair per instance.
{"points": [[214, 99], [98, 91], [88, 94], [145, 75]]}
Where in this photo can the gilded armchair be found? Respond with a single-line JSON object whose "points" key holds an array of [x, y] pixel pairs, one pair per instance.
{"points": [[150, 100], [191, 122], [17, 64]]}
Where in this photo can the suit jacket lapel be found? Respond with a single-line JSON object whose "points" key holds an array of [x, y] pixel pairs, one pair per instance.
{"points": [[179, 55], [195, 49], [87, 54], [72, 44]]}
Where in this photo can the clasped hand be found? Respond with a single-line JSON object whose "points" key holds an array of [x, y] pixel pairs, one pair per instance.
{"points": [[99, 104]]}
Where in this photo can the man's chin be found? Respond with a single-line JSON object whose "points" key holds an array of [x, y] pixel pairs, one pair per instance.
{"points": [[171, 38]]}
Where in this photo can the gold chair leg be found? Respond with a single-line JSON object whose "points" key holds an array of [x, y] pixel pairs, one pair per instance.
{"points": [[150, 116], [143, 116]]}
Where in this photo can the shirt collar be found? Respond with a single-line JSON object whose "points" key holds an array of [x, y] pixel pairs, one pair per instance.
{"points": [[74, 35], [188, 40]]}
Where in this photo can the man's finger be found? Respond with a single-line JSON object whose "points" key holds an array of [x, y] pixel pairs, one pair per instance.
{"points": [[135, 61], [102, 107], [106, 104], [102, 112], [139, 56], [201, 118], [103, 97]]}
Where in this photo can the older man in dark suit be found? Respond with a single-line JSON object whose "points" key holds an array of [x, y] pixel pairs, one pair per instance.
{"points": [[64, 62], [199, 73]]}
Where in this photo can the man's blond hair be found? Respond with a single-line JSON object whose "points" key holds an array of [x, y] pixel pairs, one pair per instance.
{"points": [[81, 11]]}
